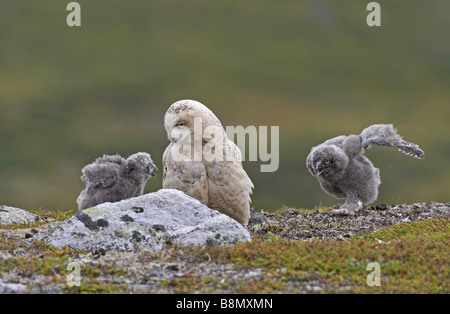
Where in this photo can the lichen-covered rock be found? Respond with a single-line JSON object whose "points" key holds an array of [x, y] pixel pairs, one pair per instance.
{"points": [[11, 215], [146, 223]]}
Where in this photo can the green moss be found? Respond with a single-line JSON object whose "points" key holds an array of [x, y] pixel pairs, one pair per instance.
{"points": [[413, 258], [101, 270], [40, 257], [432, 229], [58, 215], [95, 286], [186, 284]]}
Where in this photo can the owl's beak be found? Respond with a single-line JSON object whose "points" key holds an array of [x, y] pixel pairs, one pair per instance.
{"points": [[320, 168], [320, 171], [153, 171]]}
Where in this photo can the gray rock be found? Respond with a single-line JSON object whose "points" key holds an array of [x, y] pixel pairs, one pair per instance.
{"points": [[11, 215], [146, 223], [12, 287], [257, 217]]}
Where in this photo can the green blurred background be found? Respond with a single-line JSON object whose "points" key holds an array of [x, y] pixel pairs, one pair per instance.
{"points": [[314, 68]]}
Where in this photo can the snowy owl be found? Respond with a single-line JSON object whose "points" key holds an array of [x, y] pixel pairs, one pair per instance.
{"points": [[112, 178], [203, 163], [344, 172]]}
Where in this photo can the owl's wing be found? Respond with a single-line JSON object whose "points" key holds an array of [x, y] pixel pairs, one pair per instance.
{"points": [[338, 141], [229, 185], [386, 135], [187, 176], [101, 176]]}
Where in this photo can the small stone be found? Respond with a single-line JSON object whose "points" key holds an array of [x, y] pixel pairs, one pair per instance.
{"points": [[288, 212], [99, 252], [406, 219], [172, 267], [137, 209], [257, 218], [381, 206]]}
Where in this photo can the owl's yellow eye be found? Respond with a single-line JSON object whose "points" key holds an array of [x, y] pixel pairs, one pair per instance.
{"points": [[181, 124], [327, 162]]}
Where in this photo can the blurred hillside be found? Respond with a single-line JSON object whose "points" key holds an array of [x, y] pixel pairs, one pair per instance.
{"points": [[314, 68]]}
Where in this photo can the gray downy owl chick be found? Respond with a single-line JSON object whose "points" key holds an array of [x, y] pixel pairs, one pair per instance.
{"points": [[112, 178], [344, 172]]}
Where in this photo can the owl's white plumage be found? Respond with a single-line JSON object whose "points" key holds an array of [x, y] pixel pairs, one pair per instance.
{"points": [[219, 183]]}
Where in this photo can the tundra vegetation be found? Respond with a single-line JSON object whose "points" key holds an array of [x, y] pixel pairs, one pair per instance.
{"points": [[292, 251]]}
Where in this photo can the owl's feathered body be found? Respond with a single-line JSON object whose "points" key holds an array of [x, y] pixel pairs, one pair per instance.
{"points": [[344, 172], [112, 178], [219, 183]]}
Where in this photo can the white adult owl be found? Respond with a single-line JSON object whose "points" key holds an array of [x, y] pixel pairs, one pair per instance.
{"points": [[203, 163]]}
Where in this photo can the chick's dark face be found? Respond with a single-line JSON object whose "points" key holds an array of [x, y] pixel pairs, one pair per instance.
{"points": [[324, 167], [329, 161]]}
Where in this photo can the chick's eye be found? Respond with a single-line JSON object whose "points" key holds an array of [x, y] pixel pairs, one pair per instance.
{"points": [[327, 162]]}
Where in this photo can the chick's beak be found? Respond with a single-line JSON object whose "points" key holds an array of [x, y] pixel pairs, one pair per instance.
{"points": [[154, 170], [320, 168]]}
